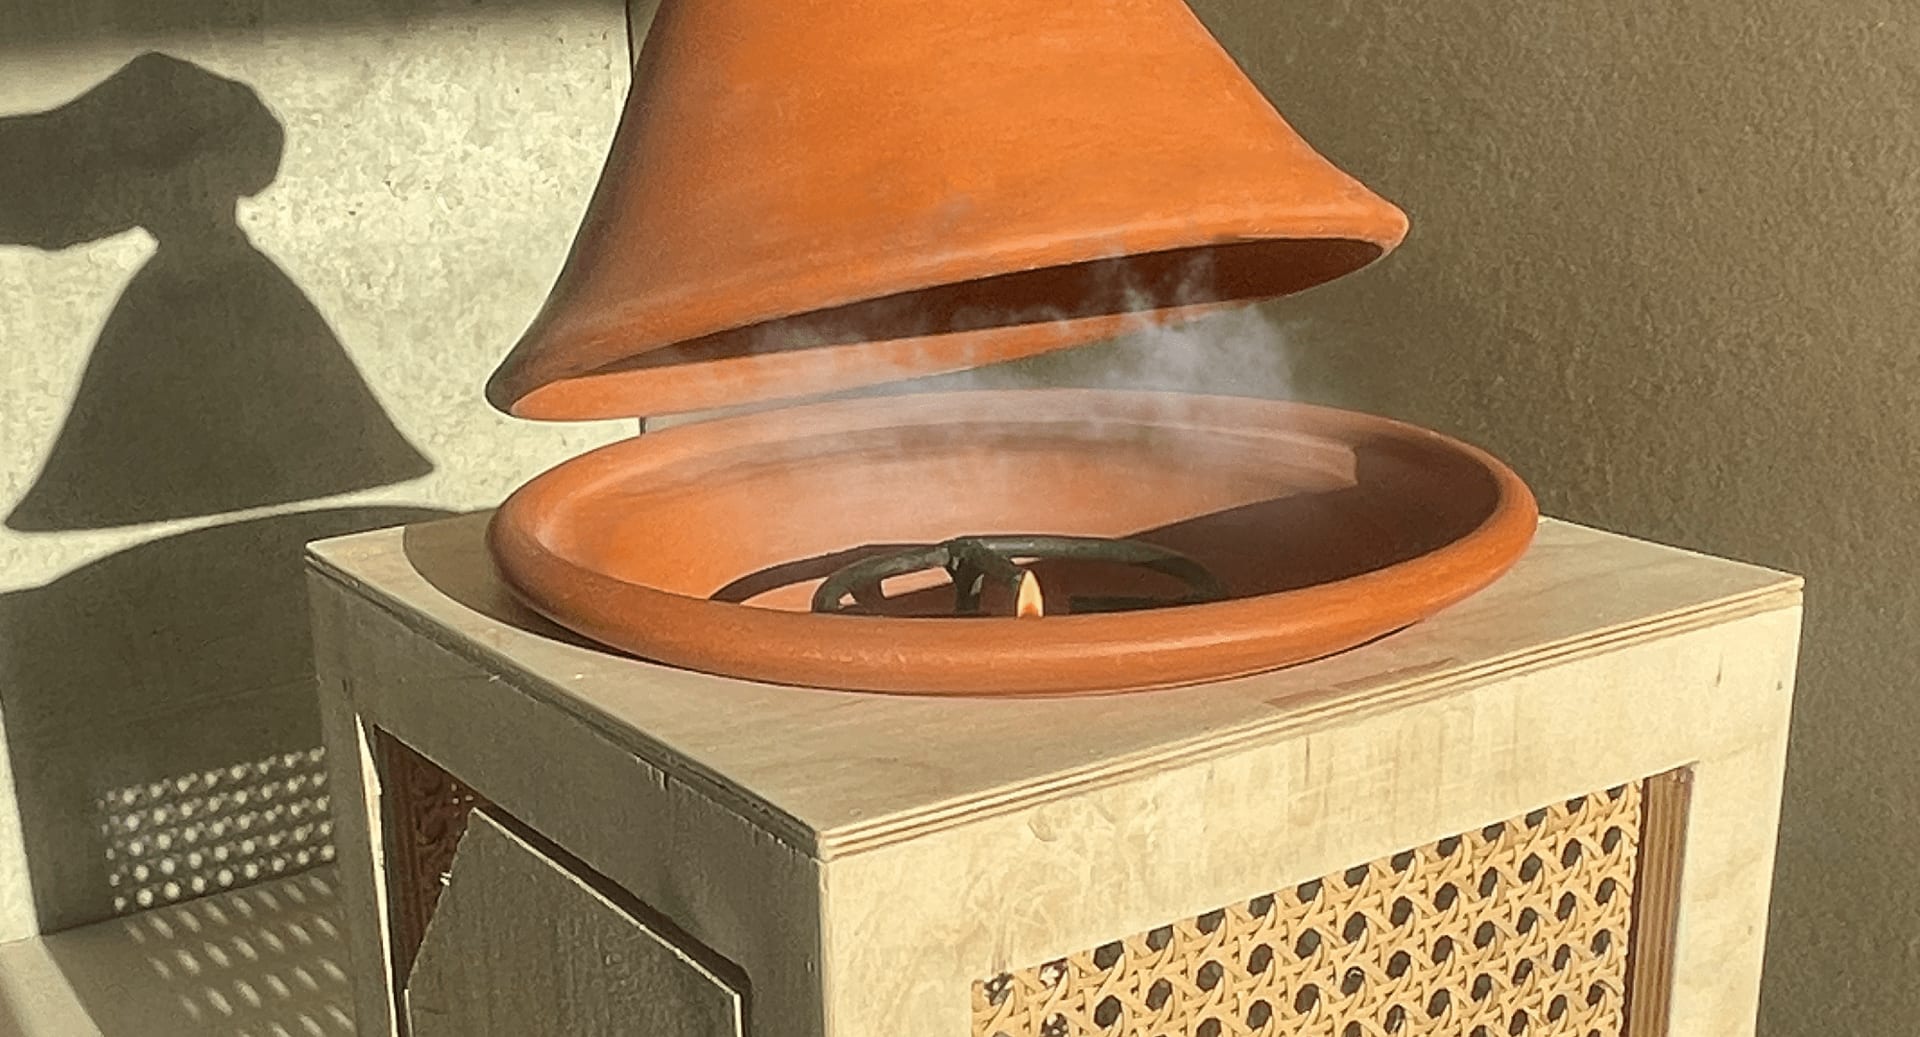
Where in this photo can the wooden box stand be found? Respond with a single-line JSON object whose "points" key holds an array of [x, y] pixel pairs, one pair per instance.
{"points": [[1548, 811]]}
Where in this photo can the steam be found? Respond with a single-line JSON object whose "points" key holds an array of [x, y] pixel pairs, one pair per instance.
{"points": [[1167, 369], [1239, 351]]}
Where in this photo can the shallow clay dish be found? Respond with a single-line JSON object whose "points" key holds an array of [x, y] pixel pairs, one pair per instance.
{"points": [[701, 546]]}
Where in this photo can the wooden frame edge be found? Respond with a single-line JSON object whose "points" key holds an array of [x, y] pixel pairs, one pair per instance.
{"points": [[1666, 799]]}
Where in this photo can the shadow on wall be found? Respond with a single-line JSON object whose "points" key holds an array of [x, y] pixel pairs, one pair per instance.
{"points": [[266, 961], [215, 384], [29, 24], [158, 703]]}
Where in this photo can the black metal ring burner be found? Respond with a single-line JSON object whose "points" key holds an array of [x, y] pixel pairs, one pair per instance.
{"points": [[974, 560]]}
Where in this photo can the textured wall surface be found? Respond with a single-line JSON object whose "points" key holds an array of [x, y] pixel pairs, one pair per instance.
{"points": [[256, 261], [1665, 260]]}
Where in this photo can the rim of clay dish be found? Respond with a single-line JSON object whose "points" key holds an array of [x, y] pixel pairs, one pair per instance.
{"points": [[1065, 654]]}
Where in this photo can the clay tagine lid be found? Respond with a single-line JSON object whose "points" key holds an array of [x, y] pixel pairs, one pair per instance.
{"points": [[818, 195]]}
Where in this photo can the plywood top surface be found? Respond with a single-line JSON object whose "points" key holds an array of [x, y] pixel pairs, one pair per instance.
{"points": [[836, 771]]}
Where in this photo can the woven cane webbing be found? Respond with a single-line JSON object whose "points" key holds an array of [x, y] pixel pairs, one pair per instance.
{"points": [[1521, 927], [427, 813]]}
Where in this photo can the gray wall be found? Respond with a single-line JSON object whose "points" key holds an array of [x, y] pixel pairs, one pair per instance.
{"points": [[249, 291], [1665, 260]]}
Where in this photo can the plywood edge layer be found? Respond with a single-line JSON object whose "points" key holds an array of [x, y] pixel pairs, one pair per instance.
{"points": [[1650, 961], [1305, 711]]}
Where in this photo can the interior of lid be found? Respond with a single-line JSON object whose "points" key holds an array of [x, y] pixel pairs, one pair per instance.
{"points": [[811, 197], [936, 330]]}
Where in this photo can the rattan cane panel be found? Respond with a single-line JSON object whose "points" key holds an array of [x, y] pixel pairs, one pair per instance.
{"points": [[1518, 928], [427, 811]]}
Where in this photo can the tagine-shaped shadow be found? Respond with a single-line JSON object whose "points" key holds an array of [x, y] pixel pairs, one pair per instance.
{"points": [[159, 702], [215, 384]]}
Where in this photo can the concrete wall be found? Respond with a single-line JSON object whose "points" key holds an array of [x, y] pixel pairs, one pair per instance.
{"points": [[1663, 260], [1666, 260], [250, 287]]}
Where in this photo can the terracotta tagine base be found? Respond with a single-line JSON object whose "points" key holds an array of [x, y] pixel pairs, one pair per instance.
{"points": [[701, 546]]}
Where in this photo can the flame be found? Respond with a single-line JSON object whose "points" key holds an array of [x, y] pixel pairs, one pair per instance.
{"points": [[1031, 604]]}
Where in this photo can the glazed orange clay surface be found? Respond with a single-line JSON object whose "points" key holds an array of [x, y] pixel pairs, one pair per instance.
{"points": [[702, 546]]}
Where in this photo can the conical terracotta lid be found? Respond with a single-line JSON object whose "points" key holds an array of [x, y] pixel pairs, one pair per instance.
{"points": [[815, 195]]}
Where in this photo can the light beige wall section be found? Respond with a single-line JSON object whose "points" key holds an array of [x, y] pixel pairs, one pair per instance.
{"points": [[433, 176], [1665, 259], [437, 157]]}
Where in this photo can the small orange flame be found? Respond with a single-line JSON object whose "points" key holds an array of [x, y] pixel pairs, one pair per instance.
{"points": [[1031, 604]]}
